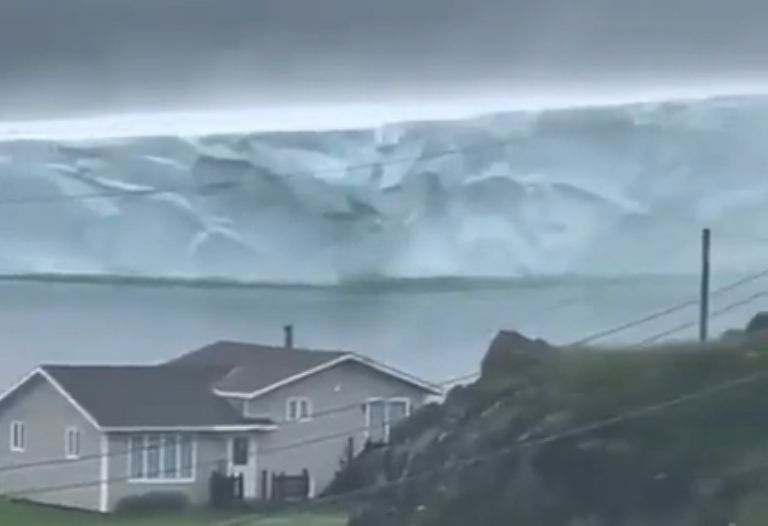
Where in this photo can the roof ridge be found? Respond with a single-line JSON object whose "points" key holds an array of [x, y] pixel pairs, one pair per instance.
{"points": [[268, 346], [97, 366]]}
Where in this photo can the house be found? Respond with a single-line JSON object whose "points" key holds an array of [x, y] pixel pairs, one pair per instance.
{"points": [[89, 436]]}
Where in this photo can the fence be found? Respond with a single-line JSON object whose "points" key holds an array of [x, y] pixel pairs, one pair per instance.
{"points": [[290, 487]]}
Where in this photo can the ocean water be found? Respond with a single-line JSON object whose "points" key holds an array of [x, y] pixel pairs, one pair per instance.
{"points": [[436, 329], [368, 220]]}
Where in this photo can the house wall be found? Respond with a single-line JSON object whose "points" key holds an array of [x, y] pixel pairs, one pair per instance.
{"points": [[47, 414], [346, 385], [211, 449]]}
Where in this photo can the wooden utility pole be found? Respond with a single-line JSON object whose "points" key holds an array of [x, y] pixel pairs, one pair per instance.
{"points": [[704, 301]]}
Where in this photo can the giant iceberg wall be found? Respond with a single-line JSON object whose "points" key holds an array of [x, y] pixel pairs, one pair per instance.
{"points": [[610, 190]]}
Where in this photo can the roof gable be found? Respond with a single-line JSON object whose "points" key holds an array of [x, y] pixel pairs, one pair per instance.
{"points": [[253, 367], [41, 375], [120, 397], [231, 354], [259, 369]]}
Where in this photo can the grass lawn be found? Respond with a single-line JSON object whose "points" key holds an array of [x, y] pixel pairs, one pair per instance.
{"points": [[14, 514]]}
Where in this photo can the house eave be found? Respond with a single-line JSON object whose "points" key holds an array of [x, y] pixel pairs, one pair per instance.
{"points": [[186, 429], [351, 357]]}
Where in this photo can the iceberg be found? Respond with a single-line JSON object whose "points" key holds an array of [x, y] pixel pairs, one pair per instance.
{"points": [[612, 190]]}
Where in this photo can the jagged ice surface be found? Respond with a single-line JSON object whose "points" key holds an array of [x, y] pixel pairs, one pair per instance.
{"points": [[611, 190]]}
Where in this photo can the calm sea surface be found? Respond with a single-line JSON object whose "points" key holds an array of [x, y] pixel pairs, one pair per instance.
{"points": [[435, 329]]}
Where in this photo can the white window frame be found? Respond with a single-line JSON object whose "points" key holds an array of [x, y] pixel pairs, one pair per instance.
{"points": [[298, 400], [162, 477], [72, 442], [19, 446], [387, 424]]}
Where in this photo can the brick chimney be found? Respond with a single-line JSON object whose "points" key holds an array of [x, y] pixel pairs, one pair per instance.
{"points": [[288, 343]]}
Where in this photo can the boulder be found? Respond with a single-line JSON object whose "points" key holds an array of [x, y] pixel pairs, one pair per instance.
{"points": [[511, 352]]}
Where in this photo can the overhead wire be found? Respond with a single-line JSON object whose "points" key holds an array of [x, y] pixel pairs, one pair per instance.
{"points": [[452, 381], [630, 414], [715, 314], [668, 310]]}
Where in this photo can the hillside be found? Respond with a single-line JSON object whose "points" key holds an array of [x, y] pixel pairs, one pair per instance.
{"points": [[519, 446]]}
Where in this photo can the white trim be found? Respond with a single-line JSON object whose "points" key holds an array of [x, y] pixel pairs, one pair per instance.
{"points": [[251, 491], [45, 374], [400, 375], [188, 429], [311, 489], [368, 362], [104, 475], [14, 447], [69, 432], [69, 397], [130, 429], [285, 381], [24, 379], [298, 400]]}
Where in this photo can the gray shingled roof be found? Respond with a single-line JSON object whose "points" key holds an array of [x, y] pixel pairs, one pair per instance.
{"points": [[254, 367], [149, 396]]}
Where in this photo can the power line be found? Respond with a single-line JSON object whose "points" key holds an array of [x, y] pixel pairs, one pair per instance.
{"points": [[720, 312], [667, 311], [473, 375], [633, 414], [450, 381], [281, 422]]}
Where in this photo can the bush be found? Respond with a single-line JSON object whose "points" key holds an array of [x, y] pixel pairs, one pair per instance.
{"points": [[152, 503]]}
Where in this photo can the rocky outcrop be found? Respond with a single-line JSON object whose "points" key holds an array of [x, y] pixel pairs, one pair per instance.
{"points": [[511, 352], [502, 451]]}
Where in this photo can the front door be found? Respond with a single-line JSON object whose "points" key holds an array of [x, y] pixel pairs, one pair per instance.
{"points": [[242, 461]]}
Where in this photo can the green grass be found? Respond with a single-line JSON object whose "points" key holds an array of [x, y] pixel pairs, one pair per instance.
{"points": [[17, 514]]}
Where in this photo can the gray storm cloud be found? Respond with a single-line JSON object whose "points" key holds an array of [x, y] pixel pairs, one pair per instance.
{"points": [[77, 57]]}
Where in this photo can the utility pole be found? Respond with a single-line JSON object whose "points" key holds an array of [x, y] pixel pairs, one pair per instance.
{"points": [[704, 301]]}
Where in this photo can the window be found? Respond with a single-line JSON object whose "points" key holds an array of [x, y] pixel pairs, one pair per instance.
{"points": [[298, 409], [382, 414], [187, 458], [136, 458], [377, 421], [72, 442], [18, 436], [240, 451], [152, 452], [170, 456], [161, 458]]}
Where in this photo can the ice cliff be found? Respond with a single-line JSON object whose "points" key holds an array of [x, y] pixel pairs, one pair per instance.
{"points": [[619, 189]]}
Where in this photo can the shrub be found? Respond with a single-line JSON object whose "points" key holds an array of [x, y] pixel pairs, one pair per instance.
{"points": [[152, 503]]}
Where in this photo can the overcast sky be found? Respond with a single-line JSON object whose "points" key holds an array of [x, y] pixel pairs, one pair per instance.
{"points": [[61, 58]]}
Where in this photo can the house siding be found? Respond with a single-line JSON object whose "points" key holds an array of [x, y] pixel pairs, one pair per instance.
{"points": [[47, 414], [211, 449], [346, 385]]}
